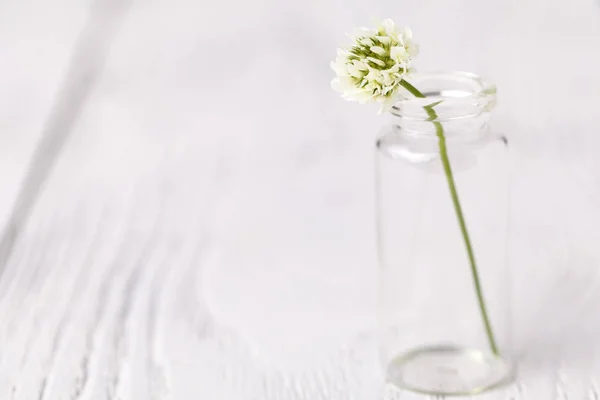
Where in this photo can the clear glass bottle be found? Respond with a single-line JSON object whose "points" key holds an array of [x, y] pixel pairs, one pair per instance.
{"points": [[445, 319]]}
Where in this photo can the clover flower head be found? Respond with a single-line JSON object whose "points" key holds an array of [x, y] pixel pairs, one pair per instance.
{"points": [[373, 67]]}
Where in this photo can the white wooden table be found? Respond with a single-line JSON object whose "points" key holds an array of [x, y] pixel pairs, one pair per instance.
{"points": [[207, 229]]}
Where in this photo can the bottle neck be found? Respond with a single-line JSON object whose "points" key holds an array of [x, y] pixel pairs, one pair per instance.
{"points": [[467, 129], [460, 103]]}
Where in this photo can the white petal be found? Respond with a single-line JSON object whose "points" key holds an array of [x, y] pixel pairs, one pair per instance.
{"points": [[393, 69], [360, 65], [364, 97], [356, 72], [342, 84], [399, 53], [388, 80], [374, 75], [413, 49], [390, 88], [378, 50], [348, 82], [388, 26], [336, 67], [376, 61], [400, 75], [366, 41], [407, 34], [384, 39]]}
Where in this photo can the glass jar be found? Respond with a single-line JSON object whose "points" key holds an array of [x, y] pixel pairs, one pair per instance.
{"points": [[442, 234]]}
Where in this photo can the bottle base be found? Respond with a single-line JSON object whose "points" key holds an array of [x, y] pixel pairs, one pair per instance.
{"points": [[448, 371]]}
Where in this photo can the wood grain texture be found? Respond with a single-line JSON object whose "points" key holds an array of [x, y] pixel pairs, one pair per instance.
{"points": [[207, 231]]}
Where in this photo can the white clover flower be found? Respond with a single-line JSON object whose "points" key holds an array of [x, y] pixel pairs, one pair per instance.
{"points": [[372, 69]]}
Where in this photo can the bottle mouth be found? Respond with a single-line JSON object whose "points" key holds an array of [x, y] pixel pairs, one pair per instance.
{"points": [[456, 95]]}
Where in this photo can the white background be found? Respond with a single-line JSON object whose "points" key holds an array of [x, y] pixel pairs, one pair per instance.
{"points": [[207, 229]]}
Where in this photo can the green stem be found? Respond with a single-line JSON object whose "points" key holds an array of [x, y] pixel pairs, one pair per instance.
{"points": [[439, 130]]}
